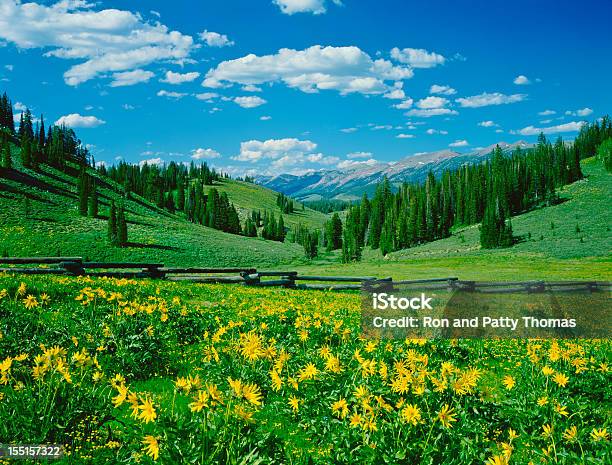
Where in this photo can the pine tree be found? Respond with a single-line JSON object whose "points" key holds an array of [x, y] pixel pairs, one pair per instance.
{"points": [[26, 152], [7, 162], [280, 230], [311, 245], [112, 225], [180, 197]]}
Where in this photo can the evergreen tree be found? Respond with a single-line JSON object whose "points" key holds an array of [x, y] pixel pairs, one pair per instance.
{"points": [[604, 154], [7, 161], [311, 245], [93, 200], [280, 230], [180, 197], [333, 233], [83, 191]]}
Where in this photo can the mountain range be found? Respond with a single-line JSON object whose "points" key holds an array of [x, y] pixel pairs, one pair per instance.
{"points": [[350, 184]]}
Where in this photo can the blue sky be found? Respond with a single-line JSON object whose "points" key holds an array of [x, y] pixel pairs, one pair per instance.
{"points": [[271, 86]]}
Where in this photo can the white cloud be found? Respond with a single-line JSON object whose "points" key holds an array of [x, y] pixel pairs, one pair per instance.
{"points": [[442, 90], [488, 124], [179, 78], [316, 7], [109, 40], [417, 57], [344, 69], [265, 118], [127, 106], [214, 39], [521, 80], [459, 143], [151, 161], [352, 164], [359, 155], [405, 104], [573, 126], [432, 102], [130, 78], [207, 96], [9, 67], [249, 102], [74, 120], [395, 94], [255, 150], [547, 113], [436, 131], [251, 88], [582, 112], [171, 94], [427, 113], [348, 130], [20, 106], [200, 154], [487, 99], [405, 136]]}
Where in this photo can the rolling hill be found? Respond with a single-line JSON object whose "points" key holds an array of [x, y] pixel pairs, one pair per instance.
{"points": [[39, 216]]}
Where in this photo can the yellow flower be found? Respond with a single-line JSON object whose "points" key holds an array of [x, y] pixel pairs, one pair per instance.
{"points": [[252, 393], [355, 420], [542, 401], [561, 379], [200, 402], [294, 403], [411, 414], [308, 372], [361, 392], [277, 382], [21, 290], [30, 302], [599, 435], [45, 299], [121, 396], [340, 408], [561, 410], [446, 416], [147, 411], [547, 431], [547, 371], [512, 435], [497, 460], [236, 386], [570, 434], [151, 447], [509, 382]]}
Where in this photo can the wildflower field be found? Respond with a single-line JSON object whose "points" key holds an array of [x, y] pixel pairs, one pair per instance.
{"points": [[121, 371]]}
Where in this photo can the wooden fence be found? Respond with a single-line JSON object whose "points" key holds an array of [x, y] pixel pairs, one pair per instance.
{"points": [[76, 266]]}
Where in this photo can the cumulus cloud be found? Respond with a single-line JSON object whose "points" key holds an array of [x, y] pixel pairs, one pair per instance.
{"points": [[432, 102], [214, 39], [104, 41], [201, 154], [348, 130], [353, 164], [179, 78], [429, 112], [487, 99], [151, 161], [405, 104], [255, 150], [573, 126], [436, 131], [130, 78], [459, 143], [75, 120], [265, 118], [405, 136], [20, 106], [395, 94], [417, 57], [171, 94], [343, 69], [547, 113], [251, 88], [249, 102], [358, 155], [582, 112], [488, 124], [442, 90], [521, 80], [316, 7]]}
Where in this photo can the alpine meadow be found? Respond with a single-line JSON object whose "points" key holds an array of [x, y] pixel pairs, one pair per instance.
{"points": [[198, 200]]}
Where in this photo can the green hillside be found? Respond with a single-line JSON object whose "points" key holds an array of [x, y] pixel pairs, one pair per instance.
{"points": [[247, 197], [571, 240], [39, 216]]}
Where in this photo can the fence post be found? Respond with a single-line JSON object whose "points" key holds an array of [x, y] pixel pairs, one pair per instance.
{"points": [[74, 268]]}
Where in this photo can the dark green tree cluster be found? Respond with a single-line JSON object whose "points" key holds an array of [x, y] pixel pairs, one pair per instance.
{"points": [[333, 233], [6, 114], [273, 230], [88, 194], [5, 152], [591, 136], [117, 226], [161, 184], [284, 203], [355, 230], [311, 244], [213, 209], [327, 205]]}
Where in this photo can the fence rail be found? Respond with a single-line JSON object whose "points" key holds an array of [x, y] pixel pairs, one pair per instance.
{"points": [[75, 266]]}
